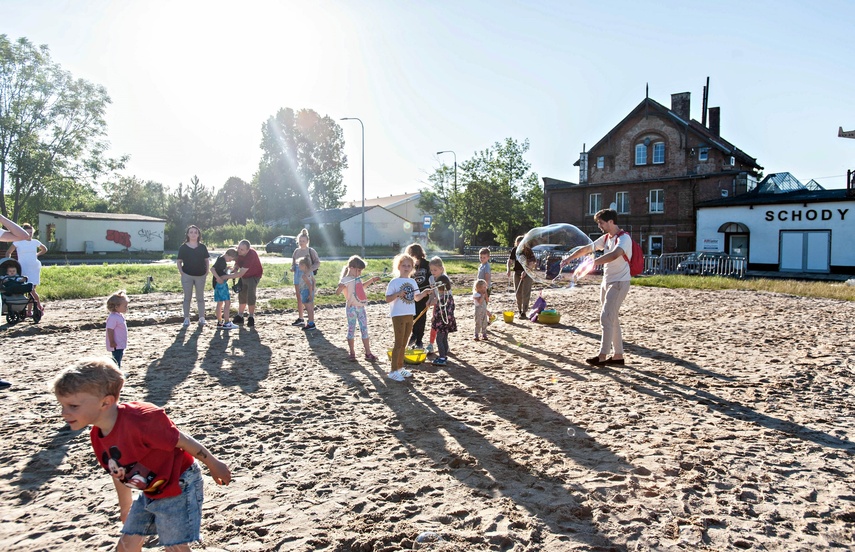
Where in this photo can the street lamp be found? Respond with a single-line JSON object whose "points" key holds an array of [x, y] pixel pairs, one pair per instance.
{"points": [[453, 231], [363, 177]]}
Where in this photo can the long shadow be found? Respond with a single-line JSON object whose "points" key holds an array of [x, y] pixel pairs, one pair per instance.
{"points": [[42, 466], [668, 389], [247, 359], [166, 373], [484, 466]]}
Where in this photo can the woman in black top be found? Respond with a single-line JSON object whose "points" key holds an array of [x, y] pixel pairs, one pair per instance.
{"points": [[421, 273], [194, 262]]}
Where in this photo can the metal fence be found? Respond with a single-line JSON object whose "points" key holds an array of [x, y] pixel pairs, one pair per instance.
{"points": [[694, 263], [497, 254]]}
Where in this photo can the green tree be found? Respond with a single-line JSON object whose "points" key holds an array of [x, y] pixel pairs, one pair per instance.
{"points": [[236, 199], [52, 128], [193, 204], [442, 201], [129, 194], [497, 198], [301, 166]]}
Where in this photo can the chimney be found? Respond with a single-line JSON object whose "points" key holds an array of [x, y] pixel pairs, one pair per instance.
{"points": [[715, 121], [680, 104]]}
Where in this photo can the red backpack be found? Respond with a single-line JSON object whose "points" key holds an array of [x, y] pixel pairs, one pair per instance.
{"points": [[636, 262]]}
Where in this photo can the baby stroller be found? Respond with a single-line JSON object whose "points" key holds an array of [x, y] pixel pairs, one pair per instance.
{"points": [[15, 294]]}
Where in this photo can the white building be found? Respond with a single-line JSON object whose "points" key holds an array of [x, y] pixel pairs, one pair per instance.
{"points": [[783, 226], [382, 227], [78, 231]]}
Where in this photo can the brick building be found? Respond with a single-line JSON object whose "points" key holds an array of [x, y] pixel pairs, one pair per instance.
{"points": [[654, 167]]}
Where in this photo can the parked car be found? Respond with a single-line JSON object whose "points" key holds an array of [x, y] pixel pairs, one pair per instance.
{"points": [[703, 262], [281, 244]]}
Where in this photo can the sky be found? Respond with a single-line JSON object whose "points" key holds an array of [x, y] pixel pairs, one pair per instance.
{"points": [[192, 82]]}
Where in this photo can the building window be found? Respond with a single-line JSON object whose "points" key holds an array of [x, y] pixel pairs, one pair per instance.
{"points": [[622, 202], [595, 202], [640, 154], [658, 153], [655, 247], [703, 154], [601, 162], [657, 201]]}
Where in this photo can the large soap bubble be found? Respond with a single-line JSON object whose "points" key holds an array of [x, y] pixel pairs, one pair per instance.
{"points": [[549, 245]]}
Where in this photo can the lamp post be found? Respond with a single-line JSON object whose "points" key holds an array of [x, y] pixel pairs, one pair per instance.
{"points": [[453, 230], [363, 177]]}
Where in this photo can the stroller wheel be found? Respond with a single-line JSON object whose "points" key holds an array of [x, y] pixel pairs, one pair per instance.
{"points": [[37, 316], [11, 318]]}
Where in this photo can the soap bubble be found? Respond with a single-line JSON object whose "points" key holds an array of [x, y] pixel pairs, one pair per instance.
{"points": [[294, 405], [549, 245], [428, 537]]}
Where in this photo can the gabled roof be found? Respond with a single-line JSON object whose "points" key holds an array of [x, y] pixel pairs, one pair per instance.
{"points": [[101, 216], [692, 126], [388, 202], [335, 216]]}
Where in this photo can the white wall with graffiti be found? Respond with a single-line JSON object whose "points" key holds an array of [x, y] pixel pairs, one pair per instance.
{"points": [[84, 232]]}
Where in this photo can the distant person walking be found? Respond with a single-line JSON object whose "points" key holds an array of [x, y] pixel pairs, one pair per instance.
{"points": [[303, 250], [194, 263], [31, 267]]}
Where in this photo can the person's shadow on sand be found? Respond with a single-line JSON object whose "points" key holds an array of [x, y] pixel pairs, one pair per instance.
{"points": [[42, 466], [237, 357], [166, 373]]}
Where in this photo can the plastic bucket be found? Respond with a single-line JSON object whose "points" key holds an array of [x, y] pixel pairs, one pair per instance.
{"points": [[509, 316]]}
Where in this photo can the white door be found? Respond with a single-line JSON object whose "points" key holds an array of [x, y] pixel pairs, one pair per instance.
{"points": [[805, 251]]}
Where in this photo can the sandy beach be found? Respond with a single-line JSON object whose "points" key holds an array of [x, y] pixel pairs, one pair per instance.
{"points": [[730, 428]]}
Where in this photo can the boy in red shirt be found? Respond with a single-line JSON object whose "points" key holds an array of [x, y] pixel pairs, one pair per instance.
{"points": [[141, 448]]}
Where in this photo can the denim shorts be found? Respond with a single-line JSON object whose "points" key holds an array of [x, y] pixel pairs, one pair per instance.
{"points": [[306, 296], [221, 292], [175, 520]]}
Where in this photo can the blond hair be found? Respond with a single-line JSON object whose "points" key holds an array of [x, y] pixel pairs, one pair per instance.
{"points": [[97, 376], [436, 261], [396, 262], [479, 282], [117, 299]]}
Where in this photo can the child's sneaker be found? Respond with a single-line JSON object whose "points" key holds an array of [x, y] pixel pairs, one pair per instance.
{"points": [[298, 322], [186, 322], [476, 338], [250, 321], [227, 326], [396, 375], [238, 319], [439, 361], [309, 326], [406, 373], [483, 337], [429, 348]]}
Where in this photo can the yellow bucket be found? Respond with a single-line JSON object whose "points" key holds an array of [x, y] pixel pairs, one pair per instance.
{"points": [[509, 316]]}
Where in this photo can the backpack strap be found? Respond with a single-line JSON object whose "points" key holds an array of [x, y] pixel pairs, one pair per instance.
{"points": [[618, 235]]}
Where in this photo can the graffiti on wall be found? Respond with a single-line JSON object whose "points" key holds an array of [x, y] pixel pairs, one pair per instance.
{"points": [[122, 238], [149, 235]]}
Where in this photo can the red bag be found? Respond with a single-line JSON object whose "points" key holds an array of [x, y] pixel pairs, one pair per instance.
{"points": [[636, 262]]}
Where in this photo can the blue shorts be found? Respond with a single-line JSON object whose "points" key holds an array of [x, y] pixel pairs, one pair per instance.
{"points": [[306, 296], [175, 520], [221, 292]]}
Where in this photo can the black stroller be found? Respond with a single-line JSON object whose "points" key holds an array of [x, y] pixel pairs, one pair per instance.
{"points": [[16, 294]]}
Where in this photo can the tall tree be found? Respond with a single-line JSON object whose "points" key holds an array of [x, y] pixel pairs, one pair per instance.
{"points": [[193, 204], [52, 126], [498, 196], [301, 166], [236, 199], [129, 194]]}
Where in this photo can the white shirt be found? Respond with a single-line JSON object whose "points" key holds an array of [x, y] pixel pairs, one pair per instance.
{"points": [[618, 269], [407, 304]]}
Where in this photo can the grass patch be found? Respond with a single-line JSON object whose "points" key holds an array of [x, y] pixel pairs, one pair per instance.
{"points": [[87, 281]]}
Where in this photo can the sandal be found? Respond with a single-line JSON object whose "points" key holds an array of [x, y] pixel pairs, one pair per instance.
{"points": [[370, 358], [351, 357]]}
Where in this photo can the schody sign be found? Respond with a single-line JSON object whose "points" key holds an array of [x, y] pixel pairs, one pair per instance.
{"points": [[797, 215]]}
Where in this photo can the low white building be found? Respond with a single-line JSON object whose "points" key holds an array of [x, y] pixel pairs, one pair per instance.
{"points": [[382, 227], [84, 232], [783, 226]]}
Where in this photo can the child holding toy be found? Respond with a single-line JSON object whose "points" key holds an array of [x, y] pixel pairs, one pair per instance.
{"points": [[307, 290], [222, 296], [444, 321], [402, 294], [355, 300]]}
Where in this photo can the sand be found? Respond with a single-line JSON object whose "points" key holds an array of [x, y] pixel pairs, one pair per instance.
{"points": [[730, 428]]}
